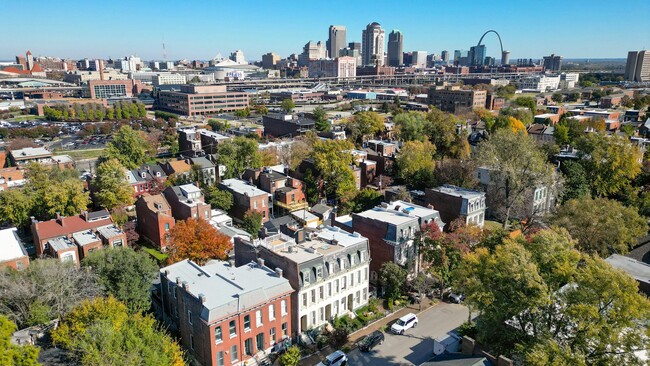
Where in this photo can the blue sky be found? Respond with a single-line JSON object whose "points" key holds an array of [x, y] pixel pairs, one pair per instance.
{"points": [[200, 29]]}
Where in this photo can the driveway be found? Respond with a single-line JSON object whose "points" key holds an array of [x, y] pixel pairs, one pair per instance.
{"points": [[416, 345]]}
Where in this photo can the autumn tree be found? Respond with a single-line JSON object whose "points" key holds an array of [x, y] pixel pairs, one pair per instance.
{"points": [[129, 147], [198, 241], [237, 155], [601, 226], [125, 274], [101, 332], [610, 162], [15, 207], [111, 187], [11, 354], [365, 124], [292, 155], [442, 132], [516, 167], [415, 163], [411, 126], [457, 172], [27, 298], [252, 223]]}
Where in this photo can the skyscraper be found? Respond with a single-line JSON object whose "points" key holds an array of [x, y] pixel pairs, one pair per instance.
{"points": [[505, 58], [553, 62], [445, 57], [419, 59], [637, 67], [372, 44], [238, 57], [476, 55], [336, 40], [395, 48]]}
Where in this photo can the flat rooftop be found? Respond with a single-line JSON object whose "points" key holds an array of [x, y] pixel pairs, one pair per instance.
{"points": [[30, 152], [458, 191], [227, 290], [10, 245], [85, 237], [243, 187], [639, 270], [387, 215]]}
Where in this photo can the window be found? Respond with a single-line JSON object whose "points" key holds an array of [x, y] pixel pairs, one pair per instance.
{"points": [[366, 275], [248, 347], [321, 293], [359, 276], [207, 215], [343, 282], [313, 318], [259, 342], [356, 298], [220, 358], [351, 279], [263, 203], [365, 293], [218, 336], [247, 322], [191, 341], [255, 205], [319, 273], [321, 314], [258, 318], [313, 296], [304, 299], [272, 336], [67, 258], [234, 354], [167, 227], [285, 330], [233, 329], [271, 312], [189, 316], [336, 285], [283, 307], [117, 243], [329, 289]]}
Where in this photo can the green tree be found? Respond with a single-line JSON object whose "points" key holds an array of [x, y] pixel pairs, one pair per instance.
{"points": [[610, 162], [130, 147], [291, 357], [528, 102], [262, 110], [237, 155], [516, 166], [27, 298], [217, 125], [112, 188], [320, 117], [288, 105], [15, 207], [102, 332], [218, 198], [242, 113], [311, 187], [333, 160], [557, 97], [411, 126], [13, 355], [125, 274], [442, 133], [575, 181], [252, 223], [53, 190], [561, 134], [393, 278], [601, 225], [366, 199], [415, 163], [506, 92], [365, 124]]}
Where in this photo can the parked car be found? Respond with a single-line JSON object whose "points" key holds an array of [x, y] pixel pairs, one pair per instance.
{"points": [[404, 323], [456, 298], [337, 358], [368, 343]]}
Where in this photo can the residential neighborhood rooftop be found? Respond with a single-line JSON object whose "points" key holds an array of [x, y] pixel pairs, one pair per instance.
{"points": [[242, 187], [11, 246]]}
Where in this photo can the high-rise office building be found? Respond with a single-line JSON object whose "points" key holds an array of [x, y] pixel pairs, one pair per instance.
{"points": [[419, 60], [505, 57], [311, 51], [637, 67], [269, 60], [553, 62], [336, 40], [372, 45], [445, 57], [238, 57], [477, 55], [395, 48]]}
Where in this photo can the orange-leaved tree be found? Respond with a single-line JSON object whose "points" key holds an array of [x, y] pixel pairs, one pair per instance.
{"points": [[198, 241]]}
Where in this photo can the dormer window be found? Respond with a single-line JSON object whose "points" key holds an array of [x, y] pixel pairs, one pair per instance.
{"points": [[144, 175]]}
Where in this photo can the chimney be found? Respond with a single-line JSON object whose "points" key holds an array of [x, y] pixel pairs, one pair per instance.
{"points": [[178, 280], [33, 220], [260, 262], [202, 298], [186, 286], [101, 70], [278, 271]]}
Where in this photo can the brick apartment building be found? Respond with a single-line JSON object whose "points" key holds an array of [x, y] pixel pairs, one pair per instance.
{"points": [[390, 229], [186, 201], [155, 219], [74, 237], [12, 250], [455, 202], [283, 125], [146, 178], [246, 197], [195, 100], [287, 192], [227, 315], [196, 142], [453, 99]]}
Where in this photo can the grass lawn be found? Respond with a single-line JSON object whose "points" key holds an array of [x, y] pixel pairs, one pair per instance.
{"points": [[28, 117], [160, 257], [491, 225], [81, 154]]}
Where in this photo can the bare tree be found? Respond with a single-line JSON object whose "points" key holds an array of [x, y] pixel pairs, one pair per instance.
{"points": [[47, 289]]}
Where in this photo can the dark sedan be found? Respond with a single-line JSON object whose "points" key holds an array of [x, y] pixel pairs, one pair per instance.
{"points": [[368, 343]]}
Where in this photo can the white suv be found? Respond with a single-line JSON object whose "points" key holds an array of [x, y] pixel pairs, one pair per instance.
{"points": [[404, 323], [337, 358]]}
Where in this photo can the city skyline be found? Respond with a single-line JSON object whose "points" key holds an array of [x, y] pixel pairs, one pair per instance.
{"points": [[269, 28]]}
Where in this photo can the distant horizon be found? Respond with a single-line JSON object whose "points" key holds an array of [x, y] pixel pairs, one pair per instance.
{"points": [[197, 30]]}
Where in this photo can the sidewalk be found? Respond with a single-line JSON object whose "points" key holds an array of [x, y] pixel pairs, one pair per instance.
{"points": [[316, 357]]}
